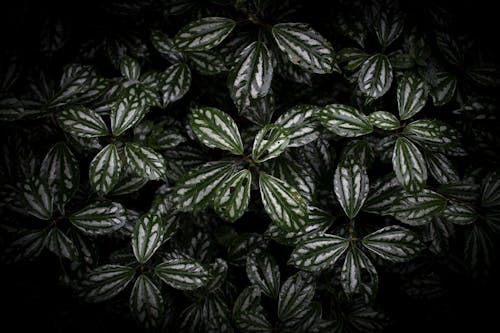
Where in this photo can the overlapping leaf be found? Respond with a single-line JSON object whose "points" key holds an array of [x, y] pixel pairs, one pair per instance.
{"points": [[82, 122], [105, 282], [181, 272], [146, 302], [301, 124], [145, 161], [393, 243], [418, 208], [233, 196], [344, 120], [412, 95], [270, 141], [147, 237], [99, 218], [175, 82], [204, 33]]}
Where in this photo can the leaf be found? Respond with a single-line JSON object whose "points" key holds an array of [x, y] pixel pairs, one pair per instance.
{"points": [[382, 195], [301, 124], [462, 191], [58, 243], [204, 34], [431, 132], [358, 275], [351, 186], [27, 247], [147, 237], [490, 196], [304, 47], [165, 46], [74, 80], [38, 197], [99, 218], [175, 82], [247, 312], [270, 141], [297, 173], [233, 196], [82, 122], [409, 165], [145, 161], [105, 282], [263, 271], [216, 129], [393, 243], [418, 208], [441, 168], [352, 57], [459, 213], [384, 120], [130, 68], [196, 189], [283, 204], [295, 296], [207, 62], [105, 170], [344, 120], [319, 252], [181, 272], [388, 26], [449, 47], [60, 168], [412, 95], [146, 302], [375, 76], [128, 110], [444, 88]]}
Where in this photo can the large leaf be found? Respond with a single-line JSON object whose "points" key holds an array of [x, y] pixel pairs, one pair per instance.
{"points": [[412, 95], [175, 82], [295, 296], [283, 203], [145, 161], [375, 76], [270, 141], [38, 197], [105, 282], [147, 237], [351, 186], [128, 110], [82, 122], [301, 124], [233, 196], [319, 252], [263, 271], [344, 120], [304, 47], [99, 218], [409, 165], [393, 243], [216, 129], [358, 275], [105, 169], [418, 208], [146, 302], [181, 272], [204, 33]]}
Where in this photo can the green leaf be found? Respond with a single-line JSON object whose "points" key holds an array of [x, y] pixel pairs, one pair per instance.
{"points": [[358, 275], [130, 68], [283, 203], [146, 302], [216, 129], [233, 196], [128, 110], [412, 95], [441, 168], [459, 213], [99, 218], [449, 47], [418, 208], [263, 271], [382, 195], [301, 124], [444, 88], [296, 173], [462, 191], [207, 62], [409, 165], [175, 82], [351, 186], [375, 76], [181, 272], [105, 170], [27, 247], [147, 237], [304, 47], [196, 189], [82, 122], [38, 197], [491, 190], [58, 243], [352, 57], [74, 80], [145, 161], [165, 46], [388, 25], [248, 313], [295, 296], [60, 168], [344, 120], [270, 141], [384, 120], [105, 282], [393, 243], [319, 252], [431, 132], [204, 34]]}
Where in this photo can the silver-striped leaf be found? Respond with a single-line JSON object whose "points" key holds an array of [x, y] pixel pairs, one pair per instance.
{"points": [[99, 218], [216, 129], [461, 191], [444, 88], [181, 272], [203, 34], [270, 141], [409, 165], [165, 46], [418, 208], [81, 121], [233, 196], [207, 62], [196, 189], [105, 170], [130, 68], [411, 95], [284, 204], [344, 120], [393, 243], [305, 47], [351, 185], [319, 252], [147, 236], [146, 302], [384, 120], [388, 25], [431, 132], [60, 244], [295, 296], [263, 271], [382, 195], [297, 173], [105, 282], [175, 82], [375, 76], [441, 168], [358, 275], [145, 161], [301, 124], [128, 110], [460, 213], [38, 198]]}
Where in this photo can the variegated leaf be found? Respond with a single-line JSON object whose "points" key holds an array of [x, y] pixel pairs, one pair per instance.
{"points": [[388, 25], [412, 95], [128, 110], [99, 218], [444, 88], [491, 190], [130, 68], [105, 170], [207, 62], [409, 165], [384, 120], [204, 34], [82, 122], [263, 271], [295, 296], [270, 141], [344, 120], [175, 82], [358, 275], [393, 243], [147, 237], [375, 76], [146, 302], [351, 186], [301, 124], [165, 45], [441, 168], [233, 196], [60, 244], [418, 208], [105, 282], [459, 213], [431, 132], [181, 272], [145, 161], [383, 193], [38, 197]]}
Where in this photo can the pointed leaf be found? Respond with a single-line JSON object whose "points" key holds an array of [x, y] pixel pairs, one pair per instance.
{"points": [[459, 213], [388, 25], [207, 62], [384, 120], [409, 165], [146, 302], [60, 244], [358, 275], [204, 34], [147, 237], [128, 110], [412, 95], [99, 218], [182, 273], [175, 82], [263, 271], [233, 196], [444, 89], [344, 120], [375, 76], [300, 122], [82, 122], [351, 186], [418, 208], [270, 141], [491, 190], [393, 243], [130, 68], [38, 197], [105, 282], [105, 170], [295, 296], [145, 161], [165, 45]]}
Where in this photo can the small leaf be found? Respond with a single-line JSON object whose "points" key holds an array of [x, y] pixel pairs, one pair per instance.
{"points": [[216, 129], [58, 243], [418, 208], [130, 68], [304, 47], [105, 170], [461, 214], [270, 141], [145, 161], [431, 132], [82, 122], [351, 186], [412, 96], [384, 120], [344, 120], [175, 82], [491, 190], [409, 165], [146, 302], [375, 76], [181, 272], [128, 110], [163, 44], [233, 196], [295, 296], [358, 275], [99, 218], [388, 25], [319, 252], [204, 34], [147, 237], [207, 62], [383, 193], [38, 197], [444, 88], [263, 271], [282, 203], [301, 124], [393, 243], [105, 282]]}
